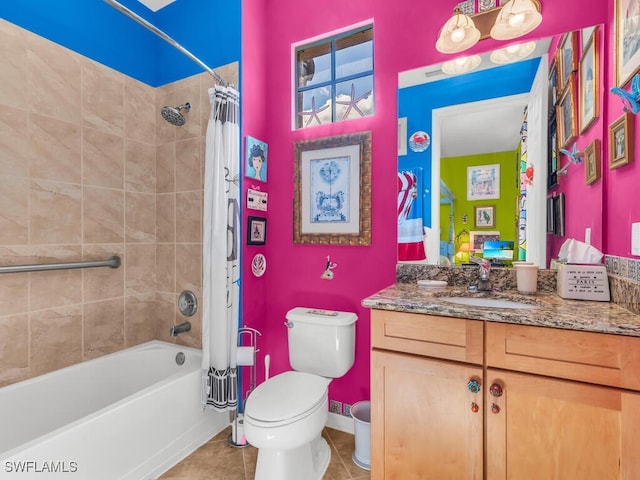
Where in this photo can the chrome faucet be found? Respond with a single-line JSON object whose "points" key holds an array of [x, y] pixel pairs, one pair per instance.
{"points": [[484, 284]]}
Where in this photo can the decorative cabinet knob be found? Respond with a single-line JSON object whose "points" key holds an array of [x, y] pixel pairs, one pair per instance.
{"points": [[495, 390], [474, 407], [473, 386], [495, 408]]}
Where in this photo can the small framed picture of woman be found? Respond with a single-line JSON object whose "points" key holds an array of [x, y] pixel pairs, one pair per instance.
{"points": [[256, 164]]}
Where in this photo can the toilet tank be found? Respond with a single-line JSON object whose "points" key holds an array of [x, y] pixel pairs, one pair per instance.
{"points": [[321, 341]]}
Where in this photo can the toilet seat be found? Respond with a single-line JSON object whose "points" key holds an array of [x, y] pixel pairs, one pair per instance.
{"points": [[286, 398]]}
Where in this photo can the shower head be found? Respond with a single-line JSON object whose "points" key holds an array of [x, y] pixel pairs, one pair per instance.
{"points": [[173, 115]]}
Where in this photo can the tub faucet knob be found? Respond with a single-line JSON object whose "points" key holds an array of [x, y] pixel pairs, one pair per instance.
{"points": [[188, 303]]}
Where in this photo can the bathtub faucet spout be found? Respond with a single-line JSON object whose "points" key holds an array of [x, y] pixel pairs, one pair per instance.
{"points": [[183, 327]]}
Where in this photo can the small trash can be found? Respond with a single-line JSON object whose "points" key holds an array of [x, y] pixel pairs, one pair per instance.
{"points": [[361, 413]]}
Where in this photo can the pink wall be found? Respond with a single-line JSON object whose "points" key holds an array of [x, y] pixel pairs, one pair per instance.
{"points": [[621, 198], [404, 36], [585, 208], [254, 123]]}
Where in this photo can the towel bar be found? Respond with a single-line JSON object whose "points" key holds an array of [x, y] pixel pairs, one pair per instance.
{"points": [[113, 262]]}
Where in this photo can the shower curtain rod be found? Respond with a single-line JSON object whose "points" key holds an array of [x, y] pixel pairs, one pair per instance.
{"points": [[166, 38]]}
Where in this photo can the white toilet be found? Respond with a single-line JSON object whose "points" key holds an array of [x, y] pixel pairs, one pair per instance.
{"points": [[284, 416]]}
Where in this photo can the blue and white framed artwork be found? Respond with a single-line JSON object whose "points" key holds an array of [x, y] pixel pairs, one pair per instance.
{"points": [[330, 189], [333, 190], [256, 163]]}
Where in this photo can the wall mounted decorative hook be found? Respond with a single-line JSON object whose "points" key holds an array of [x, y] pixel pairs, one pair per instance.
{"points": [[328, 274]]}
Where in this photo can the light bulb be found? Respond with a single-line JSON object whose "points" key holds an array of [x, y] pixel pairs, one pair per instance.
{"points": [[461, 65], [512, 53], [516, 19], [457, 35]]}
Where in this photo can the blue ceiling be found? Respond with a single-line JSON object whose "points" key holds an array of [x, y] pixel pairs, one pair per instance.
{"points": [[210, 29]]}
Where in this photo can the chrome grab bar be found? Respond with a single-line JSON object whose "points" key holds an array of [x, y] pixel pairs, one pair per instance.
{"points": [[113, 262]]}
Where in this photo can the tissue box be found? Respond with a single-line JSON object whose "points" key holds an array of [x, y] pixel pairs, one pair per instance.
{"points": [[583, 282]]}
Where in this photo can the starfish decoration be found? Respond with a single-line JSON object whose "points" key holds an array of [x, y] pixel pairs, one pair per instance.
{"points": [[313, 113], [353, 102]]}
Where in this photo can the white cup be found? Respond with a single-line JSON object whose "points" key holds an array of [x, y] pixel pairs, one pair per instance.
{"points": [[527, 279]]}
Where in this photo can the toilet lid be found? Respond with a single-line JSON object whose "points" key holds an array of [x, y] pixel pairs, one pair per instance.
{"points": [[286, 396]]}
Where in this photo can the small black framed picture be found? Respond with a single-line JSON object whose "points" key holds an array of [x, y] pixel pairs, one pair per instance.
{"points": [[256, 230], [558, 214], [551, 227]]}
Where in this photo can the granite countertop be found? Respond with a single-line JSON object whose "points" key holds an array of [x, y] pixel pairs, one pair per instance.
{"points": [[553, 311]]}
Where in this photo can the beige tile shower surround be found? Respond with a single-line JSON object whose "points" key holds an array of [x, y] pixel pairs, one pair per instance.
{"points": [[88, 169]]}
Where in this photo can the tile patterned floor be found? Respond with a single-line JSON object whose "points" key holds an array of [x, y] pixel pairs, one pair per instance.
{"points": [[215, 460]]}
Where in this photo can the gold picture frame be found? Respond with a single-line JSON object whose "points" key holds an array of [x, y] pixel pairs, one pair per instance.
{"points": [[621, 141], [566, 117], [484, 216], [626, 42], [553, 84], [590, 82], [332, 197], [567, 59], [592, 163]]}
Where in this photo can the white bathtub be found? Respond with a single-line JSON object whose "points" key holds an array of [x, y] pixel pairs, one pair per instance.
{"points": [[129, 415]]}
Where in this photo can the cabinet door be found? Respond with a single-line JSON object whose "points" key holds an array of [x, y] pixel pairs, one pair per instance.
{"points": [[422, 423], [555, 429]]}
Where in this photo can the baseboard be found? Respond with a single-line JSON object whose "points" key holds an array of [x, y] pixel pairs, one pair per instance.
{"points": [[341, 422]]}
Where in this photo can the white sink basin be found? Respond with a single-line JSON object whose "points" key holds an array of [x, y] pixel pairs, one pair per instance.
{"points": [[488, 302]]}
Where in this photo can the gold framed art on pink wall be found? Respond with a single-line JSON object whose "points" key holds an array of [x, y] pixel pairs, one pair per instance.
{"points": [[627, 40]]}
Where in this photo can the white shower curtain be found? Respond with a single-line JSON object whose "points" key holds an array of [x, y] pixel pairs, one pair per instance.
{"points": [[221, 250]]}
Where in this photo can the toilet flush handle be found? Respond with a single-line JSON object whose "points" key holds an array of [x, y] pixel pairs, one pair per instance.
{"points": [[289, 324]]}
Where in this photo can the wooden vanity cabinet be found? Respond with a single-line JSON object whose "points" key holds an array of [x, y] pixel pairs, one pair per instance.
{"points": [[422, 424], [568, 405], [555, 429]]}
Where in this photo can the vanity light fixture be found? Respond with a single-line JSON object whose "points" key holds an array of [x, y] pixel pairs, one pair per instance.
{"points": [[517, 18], [512, 53], [461, 65], [458, 34], [511, 20]]}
